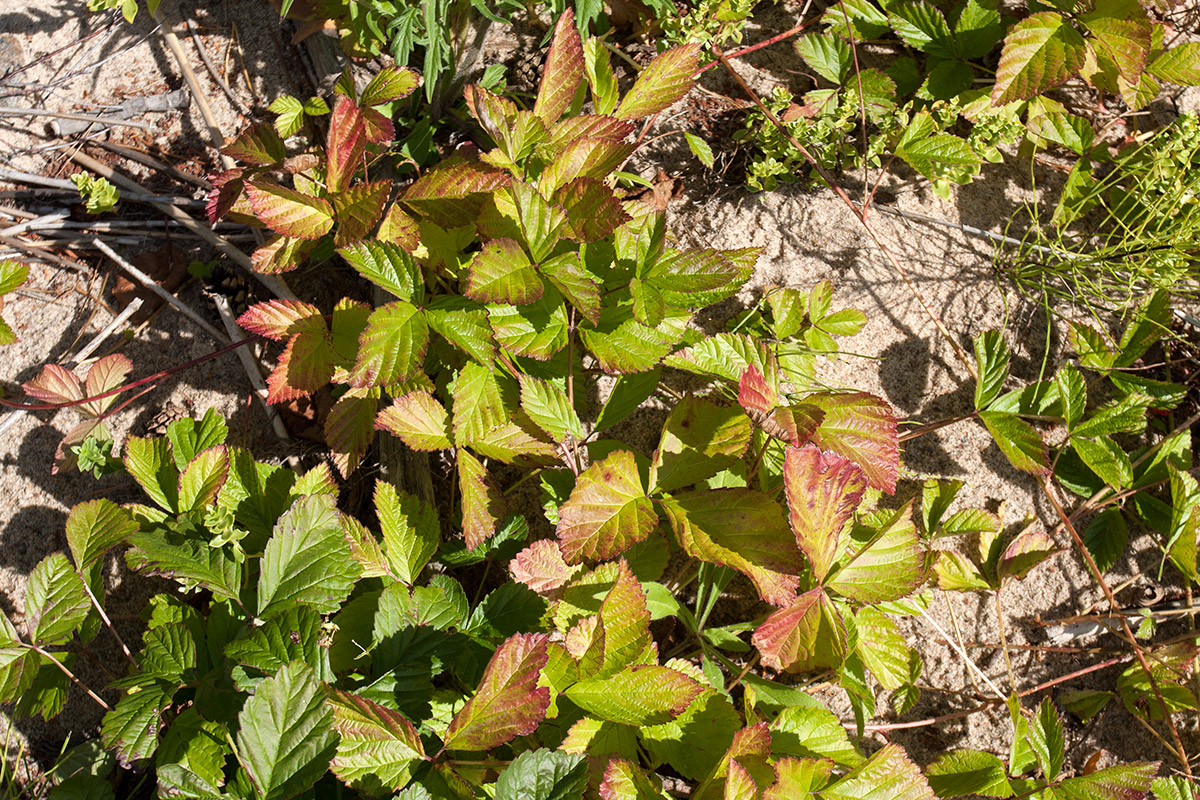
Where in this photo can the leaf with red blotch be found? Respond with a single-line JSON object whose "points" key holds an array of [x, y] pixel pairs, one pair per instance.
{"points": [[419, 420], [743, 529], [583, 158], [593, 211], [281, 254], [563, 72], [399, 228], [279, 319], [806, 635], [608, 511], [390, 83], [259, 145], [754, 393], [226, 188], [55, 384], [452, 196], [823, 492], [392, 347], [106, 374], [377, 128], [625, 618], [482, 503], [699, 440], [625, 781], [501, 272], [305, 366], [889, 774], [664, 81], [589, 126], [884, 562], [289, 212], [862, 428], [345, 144], [1026, 551], [350, 427], [358, 208], [541, 567], [509, 702]]}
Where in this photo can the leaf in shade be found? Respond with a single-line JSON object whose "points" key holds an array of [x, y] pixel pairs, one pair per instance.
{"points": [[280, 254], [392, 347], [543, 775], [743, 529], [345, 145], [823, 492], [305, 366], [699, 440], [1026, 551], [307, 559], [419, 420], [664, 81], [386, 265], [390, 83], [350, 427], [56, 601], [885, 564], [541, 567], [593, 211], [259, 145], [508, 702], [358, 208], [862, 428], [1018, 440], [888, 775], [226, 189], [563, 71], [378, 749], [482, 503], [94, 527], [131, 728], [639, 695], [806, 635], [1040, 51], [285, 733], [549, 408], [501, 272], [189, 562], [289, 212], [608, 511]]}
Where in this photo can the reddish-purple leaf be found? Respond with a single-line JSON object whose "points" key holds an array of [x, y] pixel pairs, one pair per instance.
{"points": [[862, 428], [608, 511], [226, 188], [563, 72], [357, 209], [1026, 551], [494, 113], [754, 393], [593, 211], [350, 427], [583, 158], [259, 145], [345, 145], [482, 503], [106, 374], [589, 126], [390, 83], [419, 420], [451, 196], [541, 567], [502, 273], [377, 128], [279, 319], [55, 384], [806, 635], [281, 254], [743, 529], [1040, 51], [289, 212], [399, 228], [664, 81], [823, 492], [508, 703]]}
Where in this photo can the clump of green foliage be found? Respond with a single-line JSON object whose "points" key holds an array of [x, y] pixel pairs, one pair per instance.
{"points": [[97, 193], [12, 275]]}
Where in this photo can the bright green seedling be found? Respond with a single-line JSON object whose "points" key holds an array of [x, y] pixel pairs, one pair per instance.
{"points": [[98, 194], [12, 275]]}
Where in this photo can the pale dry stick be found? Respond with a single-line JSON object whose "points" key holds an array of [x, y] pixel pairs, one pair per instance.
{"points": [[30, 249], [9, 111], [137, 193], [152, 162], [153, 286], [1180, 751], [36, 222], [212, 70], [251, 366], [963, 655], [1012, 677], [958, 634], [967, 362]]}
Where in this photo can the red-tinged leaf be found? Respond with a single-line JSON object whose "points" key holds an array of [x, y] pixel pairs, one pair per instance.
{"points": [[1024, 553], [305, 367], [203, 478], [798, 777], [625, 781], [754, 393], [1040, 51], [563, 72], [377, 128], [259, 145], [392, 347], [1018, 440], [390, 83], [279, 319], [452, 196], [1179, 65], [608, 511], [508, 703], [625, 618], [862, 428], [640, 695], [226, 188], [575, 283], [281, 254], [106, 374], [806, 635], [502, 273], [482, 502], [795, 424], [699, 440], [350, 427], [885, 564], [593, 211], [663, 82], [541, 567], [743, 529], [1119, 782], [887, 775], [378, 749], [739, 784], [289, 212], [55, 384], [823, 492], [345, 145], [419, 420], [399, 228], [496, 114], [357, 209], [583, 158], [585, 642], [1121, 32], [589, 126]]}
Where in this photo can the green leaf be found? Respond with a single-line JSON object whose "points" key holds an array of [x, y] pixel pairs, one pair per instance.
{"points": [[644, 694], [978, 29], [419, 420], [1120, 34], [1126, 415], [190, 561], [887, 775], [378, 749], [149, 462], [285, 738], [259, 146], [203, 478], [698, 738], [700, 149], [549, 408], [608, 511], [389, 84], [463, 324], [1112, 783], [823, 492], [1084, 703], [882, 564], [964, 772], [94, 527], [699, 440], [664, 81], [627, 394], [388, 266], [169, 652], [289, 114], [56, 601], [923, 27], [131, 728], [189, 438], [1024, 553], [1106, 458], [191, 757], [1073, 391], [1018, 440], [991, 359], [543, 774], [1040, 51], [1046, 739], [829, 56], [882, 648], [292, 635], [392, 347], [307, 559], [410, 530], [622, 344], [940, 156], [1106, 537], [501, 272], [1180, 65], [538, 330], [508, 702], [813, 732], [956, 573]]}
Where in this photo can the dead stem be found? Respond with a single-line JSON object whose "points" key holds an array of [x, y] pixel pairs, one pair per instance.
{"points": [[1012, 678]]}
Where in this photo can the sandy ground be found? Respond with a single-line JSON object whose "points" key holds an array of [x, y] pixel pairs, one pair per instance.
{"points": [[806, 236]]}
